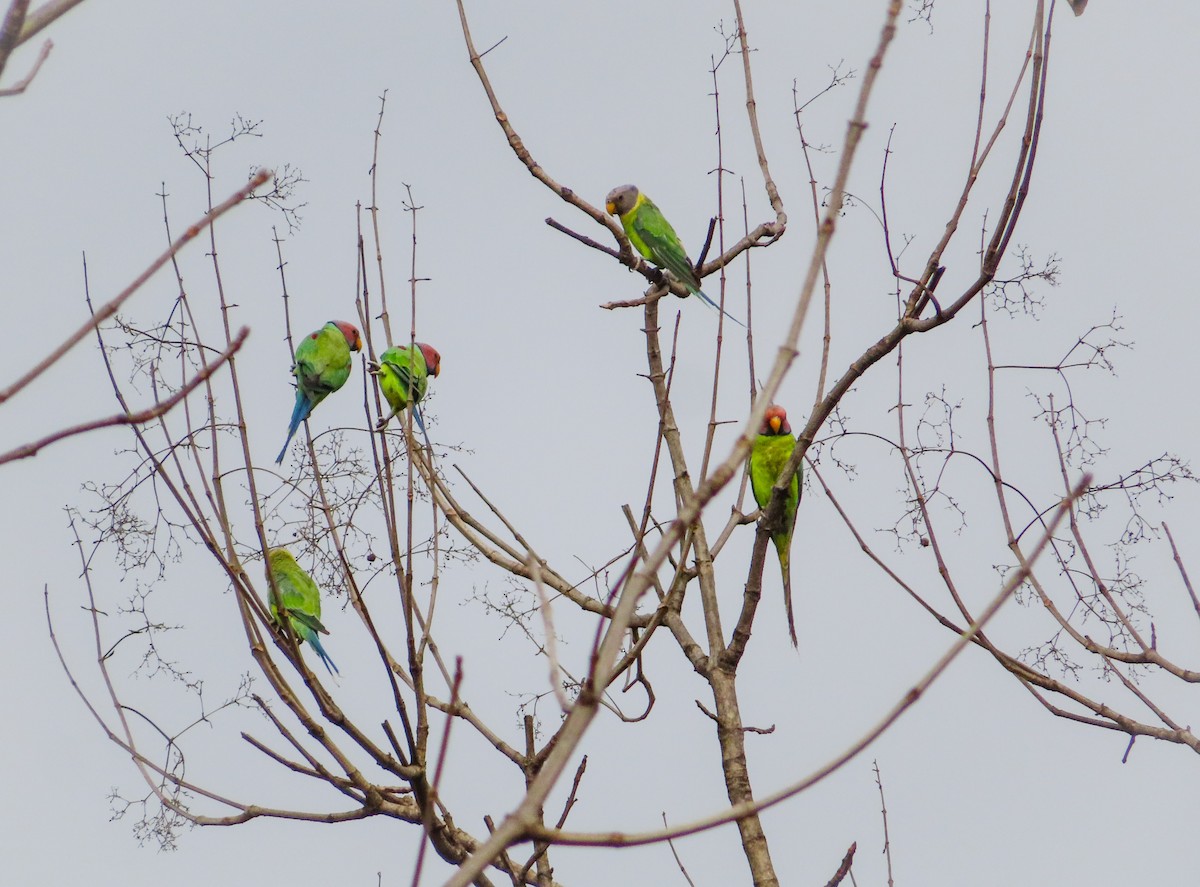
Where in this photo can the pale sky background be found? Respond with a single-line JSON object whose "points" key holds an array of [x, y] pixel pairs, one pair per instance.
{"points": [[983, 787]]}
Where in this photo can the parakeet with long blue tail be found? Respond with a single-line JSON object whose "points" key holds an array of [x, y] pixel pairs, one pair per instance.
{"points": [[652, 236], [301, 600], [403, 375], [768, 454], [322, 367]]}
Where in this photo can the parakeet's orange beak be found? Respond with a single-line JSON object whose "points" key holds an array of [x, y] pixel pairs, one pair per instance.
{"points": [[775, 422], [611, 207], [357, 343]]}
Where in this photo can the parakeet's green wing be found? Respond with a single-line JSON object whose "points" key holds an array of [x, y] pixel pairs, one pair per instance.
{"points": [[312, 623], [666, 251], [403, 373], [301, 601], [297, 591]]}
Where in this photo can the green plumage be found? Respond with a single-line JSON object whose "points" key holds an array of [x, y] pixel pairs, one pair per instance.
{"points": [[403, 375], [322, 366], [322, 362], [652, 236], [301, 600], [768, 454], [403, 378]]}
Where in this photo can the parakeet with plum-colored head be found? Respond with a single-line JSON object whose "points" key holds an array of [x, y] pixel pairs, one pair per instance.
{"points": [[403, 375], [300, 599], [322, 367], [768, 454], [652, 236]]}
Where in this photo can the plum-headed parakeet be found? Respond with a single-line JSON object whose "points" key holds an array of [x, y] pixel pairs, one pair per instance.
{"points": [[403, 375], [770, 452], [322, 367], [301, 601], [652, 236]]}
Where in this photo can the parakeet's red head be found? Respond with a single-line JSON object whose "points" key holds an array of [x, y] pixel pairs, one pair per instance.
{"points": [[433, 360], [775, 421], [621, 199], [350, 331]]}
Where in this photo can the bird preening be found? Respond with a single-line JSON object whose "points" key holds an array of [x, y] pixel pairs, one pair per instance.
{"points": [[652, 236], [322, 366], [769, 453], [403, 376]]}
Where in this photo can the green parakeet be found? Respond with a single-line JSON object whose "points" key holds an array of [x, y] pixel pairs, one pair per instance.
{"points": [[322, 367], [770, 452], [652, 236], [301, 600], [403, 375]]}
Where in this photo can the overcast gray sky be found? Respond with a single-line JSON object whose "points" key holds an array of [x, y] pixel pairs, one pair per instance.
{"points": [[983, 787]]}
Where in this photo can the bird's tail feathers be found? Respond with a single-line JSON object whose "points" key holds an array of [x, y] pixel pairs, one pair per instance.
{"points": [[785, 568], [713, 304], [420, 420], [315, 642], [300, 412]]}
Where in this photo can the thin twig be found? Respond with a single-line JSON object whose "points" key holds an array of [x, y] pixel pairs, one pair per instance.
{"points": [[138, 418], [108, 309], [675, 853], [914, 694], [1187, 583], [580, 718], [21, 85], [752, 116], [887, 844], [844, 868]]}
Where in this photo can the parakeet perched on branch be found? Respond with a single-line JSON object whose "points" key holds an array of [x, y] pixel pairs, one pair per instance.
{"points": [[403, 375], [652, 236], [322, 367], [301, 601], [769, 453]]}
